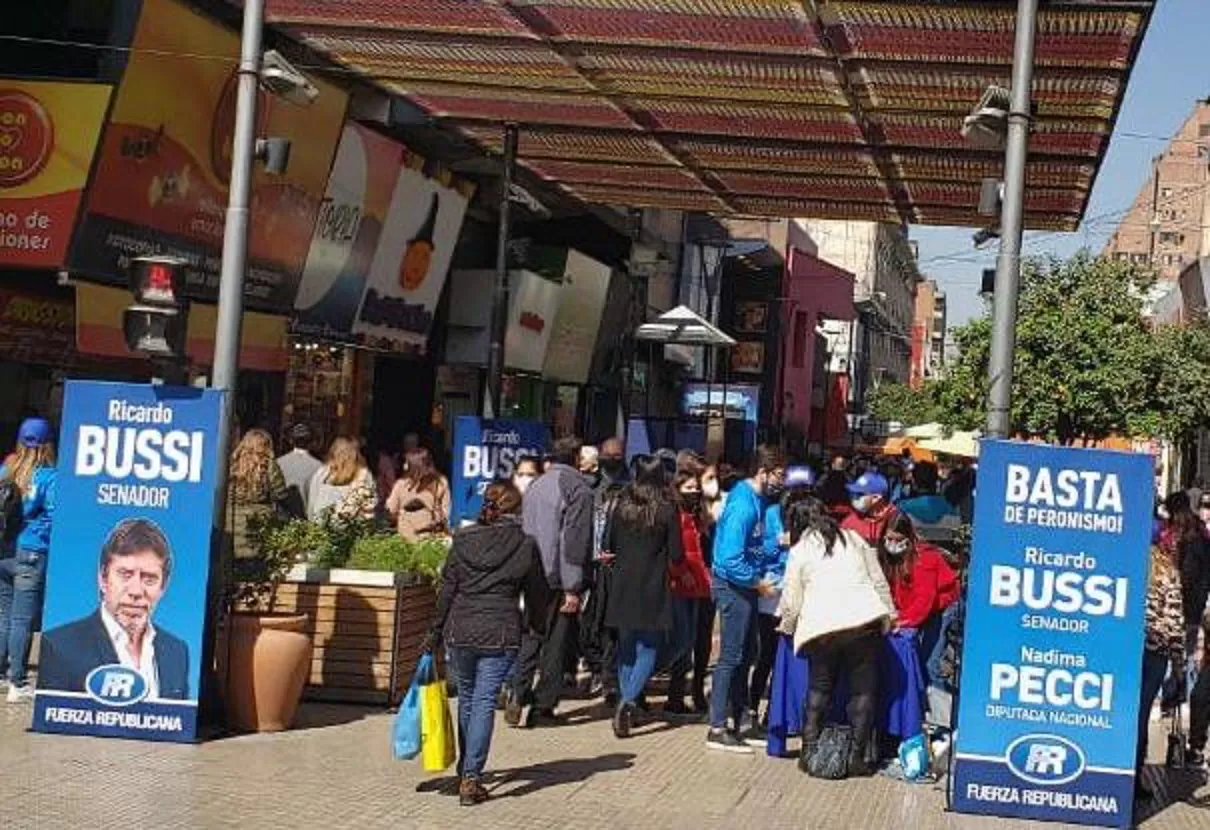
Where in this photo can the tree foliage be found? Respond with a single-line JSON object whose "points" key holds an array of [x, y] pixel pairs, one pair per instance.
{"points": [[1087, 364], [901, 403]]}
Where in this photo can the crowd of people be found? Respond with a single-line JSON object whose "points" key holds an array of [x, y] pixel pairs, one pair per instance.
{"points": [[829, 600]]}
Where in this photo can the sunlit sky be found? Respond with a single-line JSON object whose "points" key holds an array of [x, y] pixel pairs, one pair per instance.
{"points": [[1172, 73]]}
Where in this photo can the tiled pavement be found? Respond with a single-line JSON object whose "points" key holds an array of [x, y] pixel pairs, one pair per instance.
{"points": [[336, 771]]}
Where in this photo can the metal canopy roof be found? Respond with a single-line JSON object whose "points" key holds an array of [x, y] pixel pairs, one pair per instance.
{"points": [[682, 326], [845, 109]]}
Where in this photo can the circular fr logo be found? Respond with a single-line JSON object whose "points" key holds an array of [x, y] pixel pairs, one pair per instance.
{"points": [[27, 137]]}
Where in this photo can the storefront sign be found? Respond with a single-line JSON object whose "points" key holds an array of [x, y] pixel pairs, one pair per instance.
{"points": [[48, 133], [1051, 666], [346, 233], [487, 450], [36, 329], [707, 400], [573, 337], [412, 260], [165, 163], [531, 315], [121, 648]]}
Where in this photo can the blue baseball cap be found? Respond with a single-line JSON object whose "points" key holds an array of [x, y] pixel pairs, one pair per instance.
{"points": [[799, 477], [34, 432], [869, 484]]}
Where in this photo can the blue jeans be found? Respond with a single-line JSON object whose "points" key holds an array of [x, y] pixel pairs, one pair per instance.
{"points": [[637, 652], [22, 580], [479, 675], [737, 610], [1155, 666]]}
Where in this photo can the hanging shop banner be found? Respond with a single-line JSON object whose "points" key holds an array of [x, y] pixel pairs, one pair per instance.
{"points": [[573, 336], [531, 315], [412, 261], [486, 450], [165, 163], [48, 134], [121, 648], [1052, 660], [346, 233]]}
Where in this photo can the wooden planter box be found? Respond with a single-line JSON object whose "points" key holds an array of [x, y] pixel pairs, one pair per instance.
{"points": [[367, 628]]}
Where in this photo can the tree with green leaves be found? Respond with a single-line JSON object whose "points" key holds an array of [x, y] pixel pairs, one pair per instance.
{"points": [[1088, 364], [898, 402]]}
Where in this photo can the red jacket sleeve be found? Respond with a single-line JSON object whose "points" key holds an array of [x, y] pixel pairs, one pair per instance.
{"points": [[947, 583], [932, 588]]}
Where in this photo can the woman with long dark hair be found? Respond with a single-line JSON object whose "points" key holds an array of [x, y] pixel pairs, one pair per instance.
{"points": [[644, 536], [690, 584], [420, 502], [838, 605], [1184, 540], [490, 566]]}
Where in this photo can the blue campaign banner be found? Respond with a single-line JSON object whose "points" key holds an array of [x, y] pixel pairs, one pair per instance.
{"points": [[1053, 646], [486, 450], [129, 562]]}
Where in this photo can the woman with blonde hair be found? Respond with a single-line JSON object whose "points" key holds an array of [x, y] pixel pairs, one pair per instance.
{"points": [[28, 478], [419, 502], [255, 487], [344, 486]]}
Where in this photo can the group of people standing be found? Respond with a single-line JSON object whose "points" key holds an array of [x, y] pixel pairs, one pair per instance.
{"points": [[629, 565]]}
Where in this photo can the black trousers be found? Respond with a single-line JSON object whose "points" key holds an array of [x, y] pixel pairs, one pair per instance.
{"points": [[766, 633], [699, 659], [545, 654], [854, 653], [1199, 711]]}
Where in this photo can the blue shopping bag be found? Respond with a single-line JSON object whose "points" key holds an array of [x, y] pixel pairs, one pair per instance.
{"points": [[405, 734]]}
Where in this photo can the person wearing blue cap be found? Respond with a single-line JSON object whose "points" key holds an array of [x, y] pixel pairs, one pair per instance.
{"points": [[27, 504], [871, 507]]}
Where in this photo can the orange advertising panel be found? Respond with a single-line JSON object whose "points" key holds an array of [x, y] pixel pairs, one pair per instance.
{"points": [[48, 133], [165, 162]]}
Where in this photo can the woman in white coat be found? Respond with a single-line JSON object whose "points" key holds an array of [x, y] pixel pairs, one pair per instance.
{"points": [[837, 605]]}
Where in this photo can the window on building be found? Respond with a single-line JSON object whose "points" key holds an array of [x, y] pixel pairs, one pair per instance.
{"points": [[1172, 238], [1138, 258], [1165, 192], [1203, 130]]}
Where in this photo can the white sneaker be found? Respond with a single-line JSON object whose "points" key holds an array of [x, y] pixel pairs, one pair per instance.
{"points": [[20, 694]]}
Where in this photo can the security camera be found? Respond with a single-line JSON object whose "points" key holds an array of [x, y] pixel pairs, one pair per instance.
{"points": [[274, 153], [987, 124], [280, 78]]}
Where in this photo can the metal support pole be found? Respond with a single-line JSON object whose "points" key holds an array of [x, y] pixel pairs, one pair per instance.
{"points": [[225, 372], [1008, 265], [495, 357]]}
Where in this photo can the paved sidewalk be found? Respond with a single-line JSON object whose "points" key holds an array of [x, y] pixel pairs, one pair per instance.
{"points": [[336, 771]]}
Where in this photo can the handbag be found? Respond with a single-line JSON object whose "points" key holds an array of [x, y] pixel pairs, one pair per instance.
{"points": [[829, 757], [405, 732], [1177, 742], [437, 740]]}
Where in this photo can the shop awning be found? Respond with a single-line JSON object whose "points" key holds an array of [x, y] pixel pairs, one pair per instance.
{"points": [[99, 330], [846, 109], [683, 327]]}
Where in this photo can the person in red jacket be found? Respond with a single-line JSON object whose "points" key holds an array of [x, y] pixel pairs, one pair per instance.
{"points": [[872, 510], [689, 581], [922, 583]]}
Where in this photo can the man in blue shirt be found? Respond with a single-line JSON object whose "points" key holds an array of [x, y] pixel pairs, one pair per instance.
{"points": [[738, 571]]}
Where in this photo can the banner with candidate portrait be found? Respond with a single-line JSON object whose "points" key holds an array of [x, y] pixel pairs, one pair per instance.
{"points": [[486, 450], [1053, 646], [129, 563]]}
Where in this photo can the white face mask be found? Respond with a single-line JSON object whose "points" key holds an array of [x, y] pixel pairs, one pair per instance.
{"points": [[863, 504], [710, 489], [897, 547], [523, 480]]}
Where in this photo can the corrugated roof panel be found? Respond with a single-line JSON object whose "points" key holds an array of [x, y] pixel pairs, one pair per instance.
{"points": [[576, 173], [503, 105], [776, 158], [484, 17], [805, 187], [747, 121], [623, 148], [649, 197], [761, 206]]}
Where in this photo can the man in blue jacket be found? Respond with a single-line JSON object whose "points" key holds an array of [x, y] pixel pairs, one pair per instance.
{"points": [[738, 571]]}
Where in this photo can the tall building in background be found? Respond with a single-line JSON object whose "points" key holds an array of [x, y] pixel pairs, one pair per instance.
{"points": [[877, 347], [1163, 227], [928, 333]]}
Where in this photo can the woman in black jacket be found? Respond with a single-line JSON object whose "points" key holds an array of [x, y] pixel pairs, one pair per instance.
{"points": [[490, 566], [1185, 539], [643, 537]]}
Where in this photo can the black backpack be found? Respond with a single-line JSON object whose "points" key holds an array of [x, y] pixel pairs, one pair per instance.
{"points": [[10, 510]]}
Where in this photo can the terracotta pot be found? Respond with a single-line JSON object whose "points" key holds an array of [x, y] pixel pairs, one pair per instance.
{"points": [[268, 665]]}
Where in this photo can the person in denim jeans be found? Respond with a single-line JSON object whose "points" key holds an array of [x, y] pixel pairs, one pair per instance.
{"points": [[31, 470], [490, 566], [737, 571]]}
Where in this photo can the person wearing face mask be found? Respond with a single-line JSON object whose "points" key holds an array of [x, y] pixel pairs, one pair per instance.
{"points": [[737, 581], [598, 643], [922, 586], [871, 508], [1203, 510], [526, 470], [690, 584], [713, 496]]}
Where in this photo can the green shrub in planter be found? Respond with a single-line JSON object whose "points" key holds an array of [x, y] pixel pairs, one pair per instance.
{"points": [[391, 552]]}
